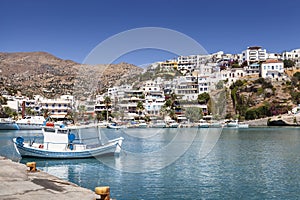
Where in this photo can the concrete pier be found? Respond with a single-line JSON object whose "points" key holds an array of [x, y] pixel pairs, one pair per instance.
{"points": [[17, 182]]}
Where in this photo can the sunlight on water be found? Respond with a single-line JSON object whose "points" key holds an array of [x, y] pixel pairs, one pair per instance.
{"points": [[254, 163]]}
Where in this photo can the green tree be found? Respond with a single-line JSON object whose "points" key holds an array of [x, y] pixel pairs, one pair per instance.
{"points": [[250, 114], [81, 110], [193, 113], [107, 102], [8, 111], [220, 85], [203, 97], [29, 111], [99, 117], [163, 111], [288, 63], [140, 108]]}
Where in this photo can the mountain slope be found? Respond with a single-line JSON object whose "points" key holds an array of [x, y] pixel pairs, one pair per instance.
{"points": [[44, 74]]}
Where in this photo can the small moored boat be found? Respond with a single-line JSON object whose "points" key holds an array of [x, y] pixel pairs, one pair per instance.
{"points": [[159, 124], [203, 124], [66, 142], [173, 124]]}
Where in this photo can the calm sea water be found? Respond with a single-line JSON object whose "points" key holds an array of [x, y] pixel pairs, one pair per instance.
{"points": [[254, 163]]}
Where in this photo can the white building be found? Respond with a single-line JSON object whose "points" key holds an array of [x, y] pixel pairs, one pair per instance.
{"points": [[191, 62], [276, 56], [150, 86], [232, 75], [252, 69], [58, 108], [203, 84], [153, 102], [292, 55], [272, 69], [254, 54], [187, 87]]}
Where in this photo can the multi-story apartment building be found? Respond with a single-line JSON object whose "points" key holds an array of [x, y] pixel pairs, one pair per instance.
{"points": [[100, 105], [129, 103], [254, 54], [154, 101], [203, 84], [169, 65], [57, 108], [187, 87]]}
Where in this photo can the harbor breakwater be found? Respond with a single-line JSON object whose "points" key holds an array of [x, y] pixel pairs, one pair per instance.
{"points": [[17, 182]]}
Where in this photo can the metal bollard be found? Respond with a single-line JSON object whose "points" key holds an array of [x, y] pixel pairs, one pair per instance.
{"points": [[104, 192], [32, 166]]}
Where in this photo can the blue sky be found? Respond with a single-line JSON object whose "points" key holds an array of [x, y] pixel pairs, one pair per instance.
{"points": [[71, 29]]}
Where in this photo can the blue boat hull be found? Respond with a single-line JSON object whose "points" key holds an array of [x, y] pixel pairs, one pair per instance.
{"points": [[109, 148], [9, 126]]}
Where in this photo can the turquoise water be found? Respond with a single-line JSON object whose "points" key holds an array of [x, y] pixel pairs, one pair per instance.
{"points": [[254, 163]]}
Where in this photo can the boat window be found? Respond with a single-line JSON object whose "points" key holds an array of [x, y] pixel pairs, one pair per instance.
{"points": [[49, 130], [62, 131]]}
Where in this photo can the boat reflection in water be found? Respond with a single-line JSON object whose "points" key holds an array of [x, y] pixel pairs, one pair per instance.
{"points": [[74, 170]]}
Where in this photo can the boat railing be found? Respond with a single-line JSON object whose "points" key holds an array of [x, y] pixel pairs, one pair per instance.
{"points": [[62, 146]]}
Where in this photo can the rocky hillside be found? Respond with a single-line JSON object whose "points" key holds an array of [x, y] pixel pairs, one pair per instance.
{"points": [[260, 98], [42, 73]]}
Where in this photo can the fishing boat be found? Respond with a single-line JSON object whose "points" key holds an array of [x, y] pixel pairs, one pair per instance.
{"points": [[68, 142]]}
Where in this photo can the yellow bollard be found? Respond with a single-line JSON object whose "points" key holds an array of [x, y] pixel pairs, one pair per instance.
{"points": [[32, 166], [104, 192]]}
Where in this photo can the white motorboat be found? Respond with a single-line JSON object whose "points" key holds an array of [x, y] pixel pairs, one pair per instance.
{"points": [[236, 124], [68, 142], [31, 123], [173, 124], [159, 124], [142, 124], [232, 123], [203, 124], [215, 124], [8, 124], [243, 126]]}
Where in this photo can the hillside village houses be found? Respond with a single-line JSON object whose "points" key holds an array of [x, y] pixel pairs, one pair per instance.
{"points": [[199, 74]]}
